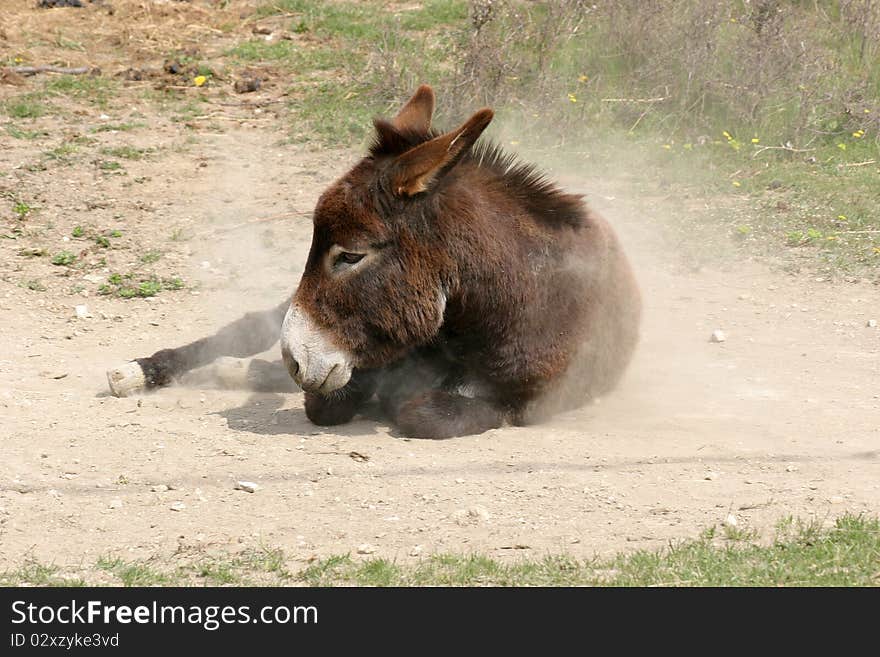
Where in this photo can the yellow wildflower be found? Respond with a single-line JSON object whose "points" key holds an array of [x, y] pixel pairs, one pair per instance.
{"points": [[755, 140], [737, 183], [583, 78], [842, 217], [572, 98], [199, 80], [842, 146]]}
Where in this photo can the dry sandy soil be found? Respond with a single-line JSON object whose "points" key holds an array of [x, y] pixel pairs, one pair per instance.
{"points": [[783, 418]]}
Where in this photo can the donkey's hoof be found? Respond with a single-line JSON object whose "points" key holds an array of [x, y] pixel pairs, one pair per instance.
{"points": [[126, 380]]}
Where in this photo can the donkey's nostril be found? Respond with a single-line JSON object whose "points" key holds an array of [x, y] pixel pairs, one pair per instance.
{"points": [[290, 363]]}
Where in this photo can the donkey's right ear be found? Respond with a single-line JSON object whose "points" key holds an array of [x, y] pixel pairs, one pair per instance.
{"points": [[413, 172], [416, 115]]}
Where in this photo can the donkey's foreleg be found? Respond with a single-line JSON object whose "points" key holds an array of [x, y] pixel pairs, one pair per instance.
{"points": [[441, 414], [249, 335], [341, 405]]}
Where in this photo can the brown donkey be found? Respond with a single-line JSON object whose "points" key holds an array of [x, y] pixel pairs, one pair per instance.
{"points": [[456, 283]]}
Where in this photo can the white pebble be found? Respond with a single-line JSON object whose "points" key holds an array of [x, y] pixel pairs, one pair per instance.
{"points": [[159, 488], [82, 311], [246, 486], [116, 504], [366, 548], [872, 323], [717, 336], [177, 506], [730, 520]]}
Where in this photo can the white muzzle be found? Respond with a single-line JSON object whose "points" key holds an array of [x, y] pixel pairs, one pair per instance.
{"points": [[314, 362]]}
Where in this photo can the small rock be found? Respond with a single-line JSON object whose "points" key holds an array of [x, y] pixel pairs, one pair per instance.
{"points": [[470, 516], [116, 504], [717, 336], [871, 323], [366, 548], [478, 513], [177, 506], [730, 520], [416, 550], [836, 499], [246, 486], [791, 468], [711, 476], [82, 311], [159, 488], [246, 85]]}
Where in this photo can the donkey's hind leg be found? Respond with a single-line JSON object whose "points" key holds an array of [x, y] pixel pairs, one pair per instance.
{"points": [[231, 373], [246, 336]]}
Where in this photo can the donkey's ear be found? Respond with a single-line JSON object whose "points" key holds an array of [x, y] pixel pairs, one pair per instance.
{"points": [[416, 114], [413, 171]]}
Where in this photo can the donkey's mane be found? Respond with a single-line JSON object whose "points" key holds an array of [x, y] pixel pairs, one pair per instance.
{"points": [[529, 185]]}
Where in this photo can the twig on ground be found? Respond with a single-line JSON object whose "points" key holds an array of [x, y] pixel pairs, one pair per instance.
{"points": [[634, 100], [790, 149], [33, 70]]}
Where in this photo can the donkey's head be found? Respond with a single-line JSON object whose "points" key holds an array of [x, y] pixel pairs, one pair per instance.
{"points": [[375, 282]]}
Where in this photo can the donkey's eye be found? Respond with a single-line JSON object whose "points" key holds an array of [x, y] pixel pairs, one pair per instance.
{"points": [[348, 258]]}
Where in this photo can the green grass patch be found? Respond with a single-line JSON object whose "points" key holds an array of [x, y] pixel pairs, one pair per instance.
{"points": [[22, 210], [34, 285], [26, 106], [93, 89], [62, 153], [150, 257], [133, 573], [18, 133], [119, 127], [800, 554], [109, 165], [33, 573], [130, 285], [126, 152], [63, 258]]}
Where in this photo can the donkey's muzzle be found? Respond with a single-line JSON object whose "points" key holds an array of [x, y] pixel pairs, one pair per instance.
{"points": [[314, 362]]}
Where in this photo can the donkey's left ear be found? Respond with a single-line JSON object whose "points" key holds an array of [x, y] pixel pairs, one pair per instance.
{"points": [[416, 115], [413, 171]]}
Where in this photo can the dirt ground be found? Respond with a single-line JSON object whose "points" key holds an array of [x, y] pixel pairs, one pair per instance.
{"points": [[781, 419]]}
